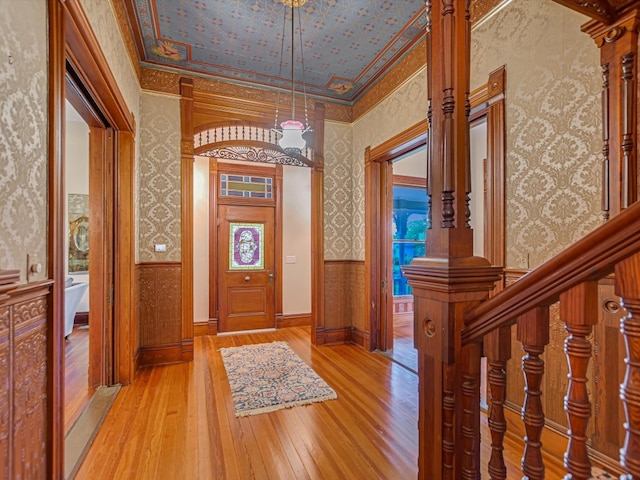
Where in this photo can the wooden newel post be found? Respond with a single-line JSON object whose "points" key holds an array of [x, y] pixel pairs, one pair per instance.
{"points": [[449, 281]]}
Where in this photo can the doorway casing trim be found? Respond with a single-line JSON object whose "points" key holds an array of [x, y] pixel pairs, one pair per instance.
{"points": [[200, 110], [486, 100]]}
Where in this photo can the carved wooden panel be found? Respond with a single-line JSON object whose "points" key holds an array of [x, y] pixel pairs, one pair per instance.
{"points": [[30, 390], [23, 387], [159, 304], [5, 382], [609, 369]]}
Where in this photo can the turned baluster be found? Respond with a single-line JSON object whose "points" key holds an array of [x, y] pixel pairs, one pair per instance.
{"points": [[579, 311], [533, 333], [497, 348], [448, 419], [628, 288], [470, 366]]}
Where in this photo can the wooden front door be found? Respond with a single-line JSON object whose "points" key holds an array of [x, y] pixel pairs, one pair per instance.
{"points": [[246, 270]]}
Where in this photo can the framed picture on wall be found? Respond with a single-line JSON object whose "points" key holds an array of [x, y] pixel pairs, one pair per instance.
{"points": [[78, 233]]}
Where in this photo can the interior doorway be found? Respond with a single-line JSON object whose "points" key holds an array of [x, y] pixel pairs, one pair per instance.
{"points": [[409, 209], [78, 391], [487, 134]]}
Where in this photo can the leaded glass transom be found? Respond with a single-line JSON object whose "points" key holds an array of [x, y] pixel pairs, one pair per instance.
{"points": [[245, 186]]}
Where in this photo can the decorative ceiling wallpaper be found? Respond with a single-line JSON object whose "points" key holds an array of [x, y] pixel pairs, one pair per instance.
{"points": [[553, 125], [347, 44], [23, 136], [159, 184]]}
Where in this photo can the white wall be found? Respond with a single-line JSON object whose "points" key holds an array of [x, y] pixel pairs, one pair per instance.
{"points": [[478, 140], [77, 181], [296, 229], [296, 243], [201, 240], [413, 165]]}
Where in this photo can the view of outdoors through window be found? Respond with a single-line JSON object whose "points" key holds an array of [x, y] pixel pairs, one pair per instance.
{"points": [[409, 225]]}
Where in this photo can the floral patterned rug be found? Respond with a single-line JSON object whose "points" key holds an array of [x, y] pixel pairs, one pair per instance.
{"points": [[270, 376]]}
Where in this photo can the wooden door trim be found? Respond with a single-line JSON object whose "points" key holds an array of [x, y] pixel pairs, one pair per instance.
{"points": [[84, 55], [215, 169], [487, 100], [71, 40], [209, 109], [55, 240]]}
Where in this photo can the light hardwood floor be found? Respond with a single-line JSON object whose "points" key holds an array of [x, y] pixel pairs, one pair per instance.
{"points": [[178, 422], [76, 383]]}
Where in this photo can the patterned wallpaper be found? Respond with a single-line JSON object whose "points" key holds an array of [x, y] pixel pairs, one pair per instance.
{"points": [[105, 27], [23, 134], [402, 109], [338, 210], [159, 186], [553, 125], [104, 23]]}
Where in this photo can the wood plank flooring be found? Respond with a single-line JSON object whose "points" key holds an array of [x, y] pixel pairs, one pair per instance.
{"points": [[403, 351], [178, 422], [76, 384]]}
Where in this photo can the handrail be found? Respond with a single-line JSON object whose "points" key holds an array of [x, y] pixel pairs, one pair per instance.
{"points": [[591, 258]]}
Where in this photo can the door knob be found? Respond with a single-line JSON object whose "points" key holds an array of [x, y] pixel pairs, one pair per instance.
{"points": [[271, 278], [247, 278]]}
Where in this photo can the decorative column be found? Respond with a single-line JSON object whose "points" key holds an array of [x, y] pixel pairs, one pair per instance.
{"points": [[618, 44], [449, 280]]}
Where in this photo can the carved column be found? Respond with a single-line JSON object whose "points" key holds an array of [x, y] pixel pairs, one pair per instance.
{"points": [[618, 45], [449, 280]]}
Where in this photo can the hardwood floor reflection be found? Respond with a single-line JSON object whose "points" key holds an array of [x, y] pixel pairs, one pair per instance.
{"points": [[178, 421], [76, 386], [403, 351]]}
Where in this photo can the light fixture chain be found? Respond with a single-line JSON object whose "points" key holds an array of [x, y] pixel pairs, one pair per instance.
{"points": [[304, 86]]}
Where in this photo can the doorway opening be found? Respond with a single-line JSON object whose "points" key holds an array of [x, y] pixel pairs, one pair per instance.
{"points": [[409, 216]]}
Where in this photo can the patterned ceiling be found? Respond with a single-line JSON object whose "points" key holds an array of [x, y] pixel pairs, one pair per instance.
{"points": [[347, 44]]}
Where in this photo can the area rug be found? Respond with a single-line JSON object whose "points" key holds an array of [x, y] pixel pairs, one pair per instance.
{"points": [[270, 376]]}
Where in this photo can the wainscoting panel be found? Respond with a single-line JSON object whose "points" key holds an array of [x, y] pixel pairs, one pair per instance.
{"points": [[159, 312], [344, 301], [23, 389]]}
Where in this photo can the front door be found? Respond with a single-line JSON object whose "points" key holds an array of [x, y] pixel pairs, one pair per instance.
{"points": [[246, 242]]}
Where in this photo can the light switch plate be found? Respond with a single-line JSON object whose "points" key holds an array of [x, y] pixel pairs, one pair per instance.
{"points": [[290, 259], [160, 247]]}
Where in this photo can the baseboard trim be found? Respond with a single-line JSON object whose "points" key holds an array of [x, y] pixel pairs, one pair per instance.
{"points": [[206, 328], [332, 336], [165, 354], [81, 318], [294, 320], [360, 337]]}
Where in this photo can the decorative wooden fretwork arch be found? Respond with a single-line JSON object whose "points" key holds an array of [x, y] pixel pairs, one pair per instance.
{"points": [[247, 143]]}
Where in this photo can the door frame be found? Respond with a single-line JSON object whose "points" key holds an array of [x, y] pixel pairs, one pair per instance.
{"points": [[489, 100], [72, 42], [215, 169], [201, 108]]}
